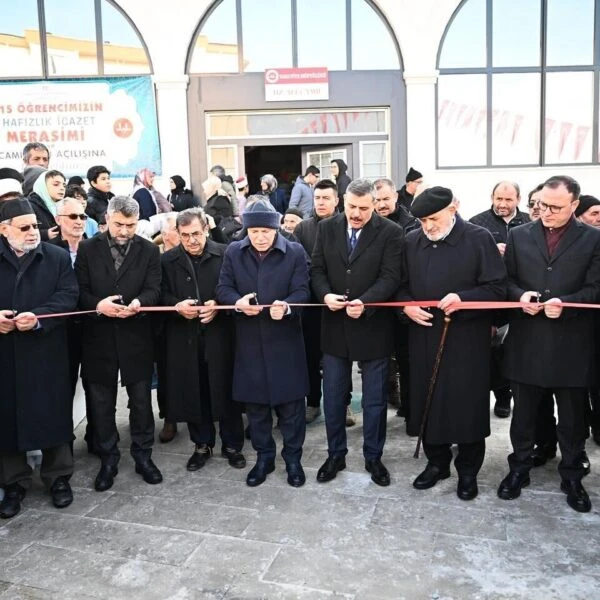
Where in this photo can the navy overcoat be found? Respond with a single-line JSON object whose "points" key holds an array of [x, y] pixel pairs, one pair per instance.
{"points": [[270, 363]]}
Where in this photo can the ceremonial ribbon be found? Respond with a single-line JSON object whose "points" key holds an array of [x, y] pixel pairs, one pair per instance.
{"points": [[419, 303]]}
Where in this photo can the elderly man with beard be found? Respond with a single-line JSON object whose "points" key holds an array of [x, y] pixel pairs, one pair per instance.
{"points": [[118, 272], [452, 261], [36, 408]]}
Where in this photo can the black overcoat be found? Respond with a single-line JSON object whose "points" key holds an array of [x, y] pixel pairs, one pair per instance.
{"points": [[467, 263], [270, 363], [185, 338], [36, 400], [553, 352], [371, 274], [112, 344]]}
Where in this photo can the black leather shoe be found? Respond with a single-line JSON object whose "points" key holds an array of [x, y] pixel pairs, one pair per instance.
{"points": [[149, 471], [510, 486], [11, 503], [105, 478], [577, 497], [467, 487], [379, 474], [329, 469], [585, 462], [430, 476], [62, 495], [202, 453], [502, 408], [542, 453], [296, 476], [234, 457], [258, 473]]}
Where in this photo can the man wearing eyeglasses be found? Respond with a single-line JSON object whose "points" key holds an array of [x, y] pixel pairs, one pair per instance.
{"points": [[36, 407], [198, 352], [550, 348], [118, 272]]}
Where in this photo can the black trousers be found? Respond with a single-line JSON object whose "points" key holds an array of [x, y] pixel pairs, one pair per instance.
{"points": [[231, 432], [545, 427], [594, 412], [292, 423], [56, 462], [468, 461], [571, 430], [311, 329], [103, 402]]}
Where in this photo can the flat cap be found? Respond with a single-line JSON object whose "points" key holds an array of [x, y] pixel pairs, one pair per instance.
{"points": [[430, 201]]}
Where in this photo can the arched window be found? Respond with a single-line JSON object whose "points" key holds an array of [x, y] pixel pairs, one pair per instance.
{"points": [[240, 36], [518, 84], [68, 38]]}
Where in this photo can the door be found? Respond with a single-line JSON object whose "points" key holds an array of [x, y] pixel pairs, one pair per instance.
{"points": [[321, 157]]}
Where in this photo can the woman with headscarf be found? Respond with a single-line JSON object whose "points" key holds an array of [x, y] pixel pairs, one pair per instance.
{"points": [[339, 172], [151, 201], [181, 198], [269, 187], [48, 189]]}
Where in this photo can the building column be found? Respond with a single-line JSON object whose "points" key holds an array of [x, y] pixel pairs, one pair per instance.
{"points": [[421, 122], [172, 113]]}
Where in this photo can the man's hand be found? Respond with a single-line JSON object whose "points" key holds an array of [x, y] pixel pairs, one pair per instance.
{"points": [[501, 248], [278, 310], [531, 297], [186, 308], [335, 301], [418, 315], [243, 304], [109, 308], [25, 321], [447, 302], [553, 308], [355, 308], [53, 232], [132, 309], [6, 321], [208, 314]]}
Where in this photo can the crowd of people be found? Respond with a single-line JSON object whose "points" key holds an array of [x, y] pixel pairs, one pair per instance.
{"points": [[235, 336]]}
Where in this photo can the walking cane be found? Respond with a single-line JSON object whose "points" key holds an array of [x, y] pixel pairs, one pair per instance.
{"points": [[436, 368]]}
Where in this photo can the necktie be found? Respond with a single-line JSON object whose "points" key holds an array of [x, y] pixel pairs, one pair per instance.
{"points": [[353, 239]]}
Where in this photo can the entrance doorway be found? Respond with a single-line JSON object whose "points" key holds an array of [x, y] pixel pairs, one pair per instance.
{"points": [[287, 162], [284, 162]]}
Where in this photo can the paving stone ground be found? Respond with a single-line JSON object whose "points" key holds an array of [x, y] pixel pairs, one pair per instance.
{"points": [[206, 535]]}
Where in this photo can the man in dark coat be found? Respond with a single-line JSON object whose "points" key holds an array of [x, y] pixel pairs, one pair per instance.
{"points": [[118, 272], [36, 408], [406, 193], [326, 201], [555, 259], [499, 219], [356, 260], [270, 366], [451, 261], [386, 198], [198, 349]]}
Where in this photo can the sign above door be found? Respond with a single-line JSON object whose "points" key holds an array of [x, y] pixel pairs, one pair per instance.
{"points": [[285, 85]]}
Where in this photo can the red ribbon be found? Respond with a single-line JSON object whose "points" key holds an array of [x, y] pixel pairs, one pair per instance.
{"points": [[420, 303]]}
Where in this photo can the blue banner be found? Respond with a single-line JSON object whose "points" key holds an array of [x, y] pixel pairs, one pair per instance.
{"points": [[84, 122]]}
